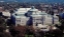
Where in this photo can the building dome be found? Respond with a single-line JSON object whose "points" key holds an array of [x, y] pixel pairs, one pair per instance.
{"points": [[33, 9]]}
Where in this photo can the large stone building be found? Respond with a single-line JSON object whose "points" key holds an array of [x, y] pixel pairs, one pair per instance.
{"points": [[33, 16]]}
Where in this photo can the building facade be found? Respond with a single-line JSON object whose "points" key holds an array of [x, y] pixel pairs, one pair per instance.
{"points": [[33, 17]]}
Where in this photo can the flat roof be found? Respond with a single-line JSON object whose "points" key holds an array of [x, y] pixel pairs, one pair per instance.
{"points": [[24, 9]]}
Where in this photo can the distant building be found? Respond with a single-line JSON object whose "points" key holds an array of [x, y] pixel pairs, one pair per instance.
{"points": [[34, 16], [6, 13]]}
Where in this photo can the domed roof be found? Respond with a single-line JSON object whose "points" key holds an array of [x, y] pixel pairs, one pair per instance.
{"points": [[33, 9]]}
